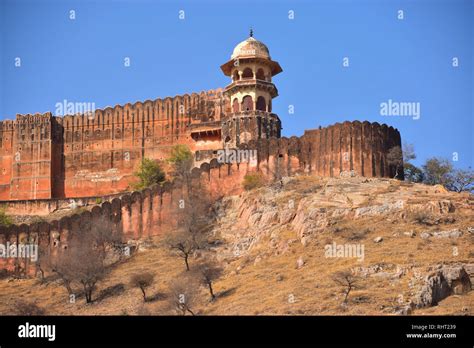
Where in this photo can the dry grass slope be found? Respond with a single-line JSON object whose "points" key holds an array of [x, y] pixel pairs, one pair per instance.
{"points": [[264, 278]]}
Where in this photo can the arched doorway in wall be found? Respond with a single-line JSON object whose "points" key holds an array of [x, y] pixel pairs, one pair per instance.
{"points": [[260, 74], [235, 105], [247, 103], [247, 74], [261, 104]]}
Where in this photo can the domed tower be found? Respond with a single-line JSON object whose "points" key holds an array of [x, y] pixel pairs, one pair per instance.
{"points": [[250, 94]]}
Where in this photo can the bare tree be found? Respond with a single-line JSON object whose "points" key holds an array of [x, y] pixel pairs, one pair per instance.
{"points": [[461, 180], [408, 152], [142, 281], [194, 216], [83, 262], [347, 280], [89, 269], [184, 244], [395, 159], [183, 295], [207, 274]]}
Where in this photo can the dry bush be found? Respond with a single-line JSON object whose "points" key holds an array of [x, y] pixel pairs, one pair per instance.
{"points": [[353, 234], [142, 281], [84, 261], [347, 280], [183, 297], [194, 217], [22, 307], [253, 181], [422, 217], [207, 274], [184, 244]]}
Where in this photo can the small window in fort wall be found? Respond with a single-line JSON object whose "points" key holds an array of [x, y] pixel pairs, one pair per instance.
{"points": [[260, 74], [261, 104], [248, 74], [235, 105], [247, 103]]}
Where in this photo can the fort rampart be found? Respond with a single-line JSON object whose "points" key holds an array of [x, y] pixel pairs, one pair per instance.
{"points": [[350, 146]]}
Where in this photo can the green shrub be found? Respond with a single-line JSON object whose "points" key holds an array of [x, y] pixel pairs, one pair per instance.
{"points": [[253, 181], [149, 173], [5, 220], [181, 160]]}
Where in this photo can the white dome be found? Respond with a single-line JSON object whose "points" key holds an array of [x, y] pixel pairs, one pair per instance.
{"points": [[250, 48]]}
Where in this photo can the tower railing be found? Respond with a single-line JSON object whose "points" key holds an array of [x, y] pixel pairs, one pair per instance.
{"points": [[249, 82], [252, 113]]}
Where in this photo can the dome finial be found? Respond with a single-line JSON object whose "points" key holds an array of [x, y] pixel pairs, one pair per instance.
{"points": [[251, 32]]}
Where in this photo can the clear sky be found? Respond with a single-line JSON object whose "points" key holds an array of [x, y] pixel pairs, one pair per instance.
{"points": [[403, 60]]}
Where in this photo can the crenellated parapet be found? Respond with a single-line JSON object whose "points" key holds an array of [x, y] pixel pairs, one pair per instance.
{"points": [[356, 146], [95, 153]]}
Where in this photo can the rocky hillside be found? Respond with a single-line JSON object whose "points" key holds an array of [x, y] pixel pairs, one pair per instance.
{"points": [[290, 249]]}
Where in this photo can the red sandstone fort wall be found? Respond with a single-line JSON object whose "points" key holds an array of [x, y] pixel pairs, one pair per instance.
{"points": [[356, 146], [82, 155]]}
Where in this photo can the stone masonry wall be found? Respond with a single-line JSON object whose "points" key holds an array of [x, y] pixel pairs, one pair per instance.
{"points": [[350, 146], [44, 156]]}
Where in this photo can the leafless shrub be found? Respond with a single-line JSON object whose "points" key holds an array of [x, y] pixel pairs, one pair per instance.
{"points": [[183, 295], [142, 281], [83, 262], [22, 307], [347, 280], [193, 215], [356, 234], [207, 274], [422, 217]]}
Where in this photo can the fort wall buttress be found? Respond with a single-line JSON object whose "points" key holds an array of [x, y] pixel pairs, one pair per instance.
{"points": [[350, 146], [6, 158], [26, 157]]}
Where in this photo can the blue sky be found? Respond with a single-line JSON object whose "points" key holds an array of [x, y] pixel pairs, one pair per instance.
{"points": [[405, 60]]}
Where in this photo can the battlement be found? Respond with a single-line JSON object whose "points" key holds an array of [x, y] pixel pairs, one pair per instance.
{"points": [[96, 152], [33, 119]]}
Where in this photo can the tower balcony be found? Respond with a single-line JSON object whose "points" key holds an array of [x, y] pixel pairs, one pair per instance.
{"points": [[206, 130], [250, 82], [251, 114]]}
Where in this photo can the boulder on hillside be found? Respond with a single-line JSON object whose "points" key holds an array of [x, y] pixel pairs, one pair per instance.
{"points": [[441, 283]]}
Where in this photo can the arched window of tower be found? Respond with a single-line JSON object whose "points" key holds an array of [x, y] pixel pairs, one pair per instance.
{"points": [[247, 103], [235, 105], [260, 74], [261, 104], [247, 74]]}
